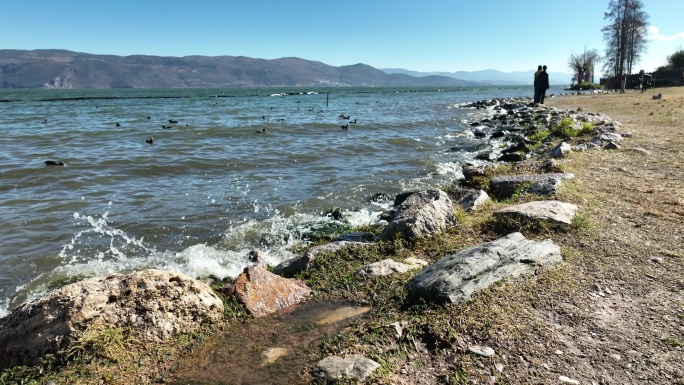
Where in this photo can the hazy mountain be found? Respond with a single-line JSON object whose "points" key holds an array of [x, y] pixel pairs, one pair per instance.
{"points": [[66, 69], [490, 76]]}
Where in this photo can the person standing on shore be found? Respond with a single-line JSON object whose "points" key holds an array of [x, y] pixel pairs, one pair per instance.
{"points": [[536, 83], [543, 84]]}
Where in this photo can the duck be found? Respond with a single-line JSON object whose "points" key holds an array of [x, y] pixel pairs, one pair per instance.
{"points": [[345, 127], [173, 121], [54, 163], [150, 140], [117, 124], [263, 130], [164, 127]]}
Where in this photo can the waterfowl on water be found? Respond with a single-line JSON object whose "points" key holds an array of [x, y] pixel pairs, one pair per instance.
{"points": [[150, 140], [54, 163], [345, 127], [117, 124], [173, 121], [263, 130]]}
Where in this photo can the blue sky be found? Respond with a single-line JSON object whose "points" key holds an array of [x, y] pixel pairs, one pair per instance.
{"points": [[428, 35]]}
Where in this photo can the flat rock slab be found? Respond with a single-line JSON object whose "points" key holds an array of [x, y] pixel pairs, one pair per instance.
{"points": [[388, 266], [554, 212], [456, 277], [507, 185], [353, 366]]}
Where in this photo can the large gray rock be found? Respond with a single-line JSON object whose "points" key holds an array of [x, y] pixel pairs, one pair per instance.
{"points": [[159, 303], [554, 212], [423, 213], [507, 185], [353, 366], [294, 265], [456, 277]]}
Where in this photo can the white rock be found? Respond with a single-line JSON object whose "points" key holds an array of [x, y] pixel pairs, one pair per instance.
{"points": [[568, 380], [484, 351]]}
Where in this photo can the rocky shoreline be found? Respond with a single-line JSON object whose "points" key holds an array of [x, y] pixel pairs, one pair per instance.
{"points": [[162, 304]]}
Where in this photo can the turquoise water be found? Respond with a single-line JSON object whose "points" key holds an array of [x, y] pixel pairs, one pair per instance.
{"points": [[213, 186]]}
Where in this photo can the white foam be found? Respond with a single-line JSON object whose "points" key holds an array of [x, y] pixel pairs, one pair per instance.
{"points": [[454, 169]]}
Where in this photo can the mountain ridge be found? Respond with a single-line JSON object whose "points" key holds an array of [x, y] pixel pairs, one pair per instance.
{"points": [[489, 76], [56, 68]]}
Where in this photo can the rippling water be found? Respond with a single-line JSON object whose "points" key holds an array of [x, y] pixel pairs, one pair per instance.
{"points": [[211, 187]]}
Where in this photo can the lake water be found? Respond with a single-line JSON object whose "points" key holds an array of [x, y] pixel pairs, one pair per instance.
{"points": [[243, 169]]}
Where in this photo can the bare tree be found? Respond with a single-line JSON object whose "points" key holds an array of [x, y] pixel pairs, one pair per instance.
{"points": [[625, 36], [583, 65]]}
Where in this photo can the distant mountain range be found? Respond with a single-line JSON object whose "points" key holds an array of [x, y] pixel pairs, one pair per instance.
{"points": [[66, 69], [492, 77]]}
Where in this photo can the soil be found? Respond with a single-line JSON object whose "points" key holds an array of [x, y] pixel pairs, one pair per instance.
{"points": [[627, 327]]}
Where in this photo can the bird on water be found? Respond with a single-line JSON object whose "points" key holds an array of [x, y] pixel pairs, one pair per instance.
{"points": [[54, 163], [150, 140]]}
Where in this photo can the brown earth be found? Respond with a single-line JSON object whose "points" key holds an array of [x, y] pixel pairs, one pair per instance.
{"points": [[627, 326]]}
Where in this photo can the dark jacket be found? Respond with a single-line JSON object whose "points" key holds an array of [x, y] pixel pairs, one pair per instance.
{"points": [[543, 80]]}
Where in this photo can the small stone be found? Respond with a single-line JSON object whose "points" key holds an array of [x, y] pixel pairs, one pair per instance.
{"points": [[499, 367], [271, 355], [568, 380], [558, 352], [545, 366], [614, 356], [484, 351]]}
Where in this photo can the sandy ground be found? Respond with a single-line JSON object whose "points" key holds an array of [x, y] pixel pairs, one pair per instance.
{"points": [[628, 326]]}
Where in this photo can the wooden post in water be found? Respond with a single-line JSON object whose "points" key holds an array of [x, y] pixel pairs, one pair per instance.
{"points": [[327, 95]]}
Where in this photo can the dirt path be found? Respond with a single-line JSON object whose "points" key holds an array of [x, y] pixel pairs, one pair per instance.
{"points": [[628, 328]]}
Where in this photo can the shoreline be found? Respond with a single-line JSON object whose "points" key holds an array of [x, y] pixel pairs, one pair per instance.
{"points": [[577, 306]]}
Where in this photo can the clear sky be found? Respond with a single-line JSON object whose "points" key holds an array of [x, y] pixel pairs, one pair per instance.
{"points": [[426, 35]]}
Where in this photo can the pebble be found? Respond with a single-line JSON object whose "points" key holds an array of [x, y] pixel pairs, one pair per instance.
{"points": [[568, 380], [499, 367], [558, 352], [484, 351], [616, 357]]}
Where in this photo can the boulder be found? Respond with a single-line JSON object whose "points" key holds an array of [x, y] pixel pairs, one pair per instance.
{"points": [[159, 303], [554, 212], [456, 277], [353, 366], [294, 265], [263, 292], [423, 213], [507, 185]]}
